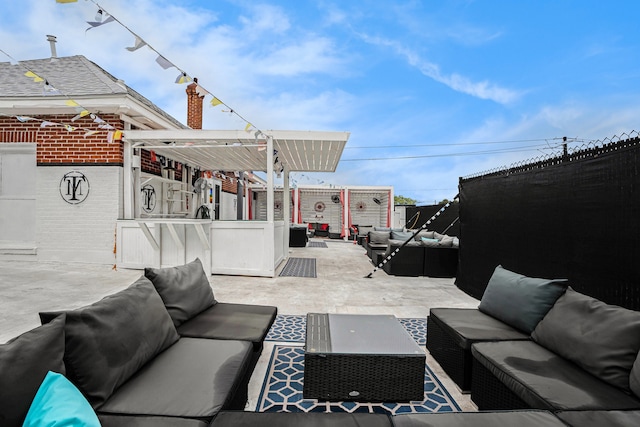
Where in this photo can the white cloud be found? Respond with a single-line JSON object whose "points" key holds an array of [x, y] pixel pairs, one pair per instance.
{"points": [[457, 82]]}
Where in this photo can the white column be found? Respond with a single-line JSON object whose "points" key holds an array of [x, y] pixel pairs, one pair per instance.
{"points": [[345, 213], [127, 178], [270, 198], [286, 205]]}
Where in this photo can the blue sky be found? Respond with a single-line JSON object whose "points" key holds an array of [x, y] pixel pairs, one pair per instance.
{"points": [[430, 90]]}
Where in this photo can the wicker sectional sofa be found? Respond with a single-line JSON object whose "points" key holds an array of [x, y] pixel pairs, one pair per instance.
{"points": [[162, 352], [427, 254], [538, 344]]}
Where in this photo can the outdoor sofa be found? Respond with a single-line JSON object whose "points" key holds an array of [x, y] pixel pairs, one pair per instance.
{"points": [[538, 344], [162, 352], [428, 253]]}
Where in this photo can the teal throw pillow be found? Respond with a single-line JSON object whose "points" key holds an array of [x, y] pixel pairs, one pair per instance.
{"points": [[60, 403], [520, 301]]}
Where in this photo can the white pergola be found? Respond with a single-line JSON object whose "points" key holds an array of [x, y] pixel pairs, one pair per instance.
{"points": [[272, 152]]}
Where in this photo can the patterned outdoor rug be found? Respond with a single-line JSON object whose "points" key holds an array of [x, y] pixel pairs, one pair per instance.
{"points": [[317, 245], [299, 267], [292, 328], [282, 391]]}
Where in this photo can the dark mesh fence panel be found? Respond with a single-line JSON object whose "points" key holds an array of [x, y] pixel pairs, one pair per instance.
{"points": [[576, 219], [444, 220]]}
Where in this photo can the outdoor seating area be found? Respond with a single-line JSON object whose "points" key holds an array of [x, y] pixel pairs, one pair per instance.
{"points": [[183, 319], [424, 253]]}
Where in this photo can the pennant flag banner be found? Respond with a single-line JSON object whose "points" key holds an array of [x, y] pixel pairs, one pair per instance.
{"points": [[66, 1], [24, 118], [248, 127], [69, 128], [46, 123], [164, 62], [183, 78], [95, 24], [83, 113], [201, 91], [137, 45], [215, 101], [36, 78]]}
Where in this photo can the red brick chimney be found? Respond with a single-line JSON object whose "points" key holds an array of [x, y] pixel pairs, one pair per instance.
{"points": [[194, 106]]}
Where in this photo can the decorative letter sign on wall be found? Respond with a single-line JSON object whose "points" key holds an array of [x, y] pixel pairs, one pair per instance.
{"points": [[74, 187], [148, 198]]}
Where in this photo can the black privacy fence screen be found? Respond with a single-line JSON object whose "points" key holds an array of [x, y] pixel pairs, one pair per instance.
{"points": [[574, 216]]}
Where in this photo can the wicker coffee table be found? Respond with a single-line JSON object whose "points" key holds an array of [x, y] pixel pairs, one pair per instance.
{"points": [[366, 358]]}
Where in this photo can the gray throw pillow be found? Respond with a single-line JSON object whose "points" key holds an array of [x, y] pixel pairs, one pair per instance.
{"points": [[110, 340], [24, 362], [603, 339], [379, 237], [426, 234], [184, 289], [401, 235], [520, 301], [446, 241]]}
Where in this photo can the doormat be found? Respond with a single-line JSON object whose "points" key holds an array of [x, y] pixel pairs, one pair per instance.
{"points": [[282, 391], [292, 328], [317, 245], [299, 267]]}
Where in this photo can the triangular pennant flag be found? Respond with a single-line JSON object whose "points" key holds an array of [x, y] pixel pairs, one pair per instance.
{"points": [[91, 132], [49, 90], [137, 45], [164, 62], [215, 101], [69, 128], [36, 78], [110, 137], [248, 127], [24, 118], [201, 91], [46, 123], [66, 1], [95, 24], [96, 119], [78, 116], [105, 126], [153, 156], [183, 78], [71, 103]]}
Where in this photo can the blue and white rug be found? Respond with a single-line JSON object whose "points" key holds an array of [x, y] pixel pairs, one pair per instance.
{"points": [[282, 391], [292, 328]]}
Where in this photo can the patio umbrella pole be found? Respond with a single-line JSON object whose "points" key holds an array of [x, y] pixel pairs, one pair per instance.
{"points": [[424, 227]]}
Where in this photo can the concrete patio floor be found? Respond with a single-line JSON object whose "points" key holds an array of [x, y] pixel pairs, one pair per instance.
{"points": [[27, 288]]}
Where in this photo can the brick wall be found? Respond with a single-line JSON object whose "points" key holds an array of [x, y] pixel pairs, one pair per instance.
{"points": [[57, 146]]}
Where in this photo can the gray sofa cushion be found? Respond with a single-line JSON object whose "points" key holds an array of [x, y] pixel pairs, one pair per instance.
{"points": [[468, 325], [184, 289], [634, 377], [108, 341], [518, 300], [24, 362], [298, 419], [600, 418], [545, 380], [194, 378], [227, 321], [148, 421], [603, 339], [479, 419], [397, 243]]}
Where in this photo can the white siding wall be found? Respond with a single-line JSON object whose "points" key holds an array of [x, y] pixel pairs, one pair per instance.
{"points": [[83, 232]]}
